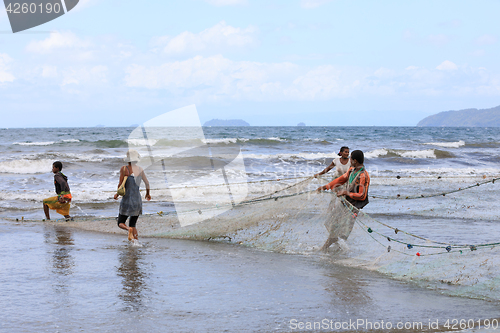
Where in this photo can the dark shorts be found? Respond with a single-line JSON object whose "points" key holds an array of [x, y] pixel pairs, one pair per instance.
{"points": [[356, 203], [123, 219]]}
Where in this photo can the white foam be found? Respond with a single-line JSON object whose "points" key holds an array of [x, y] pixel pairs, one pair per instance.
{"points": [[226, 140], [71, 140], [276, 139], [376, 153], [26, 166], [141, 142], [135, 243], [314, 139], [447, 144], [429, 153], [453, 172], [44, 143], [71, 157], [308, 156]]}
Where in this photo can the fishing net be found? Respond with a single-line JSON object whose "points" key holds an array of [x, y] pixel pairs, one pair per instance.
{"points": [[291, 217], [280, 216]]}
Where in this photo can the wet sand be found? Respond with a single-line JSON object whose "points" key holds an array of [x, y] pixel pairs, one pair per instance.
{"points": [[59, 278]]}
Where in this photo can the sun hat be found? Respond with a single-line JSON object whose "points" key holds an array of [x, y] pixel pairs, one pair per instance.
{"points": [[132, 156]]}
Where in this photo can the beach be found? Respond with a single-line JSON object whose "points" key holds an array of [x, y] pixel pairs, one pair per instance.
{"points": [[250, 263], [60, 279]]}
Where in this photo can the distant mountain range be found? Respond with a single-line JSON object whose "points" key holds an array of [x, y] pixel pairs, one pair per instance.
{"points": [[464, 118], [227, 122]]}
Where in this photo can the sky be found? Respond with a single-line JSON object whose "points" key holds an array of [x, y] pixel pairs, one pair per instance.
{"points": [[270, 63]]}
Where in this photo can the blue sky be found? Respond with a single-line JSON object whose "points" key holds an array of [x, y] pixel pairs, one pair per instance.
{"points": [[321, 62]]}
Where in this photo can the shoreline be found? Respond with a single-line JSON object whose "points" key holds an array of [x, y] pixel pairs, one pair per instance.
{"points": [[148, 225]]}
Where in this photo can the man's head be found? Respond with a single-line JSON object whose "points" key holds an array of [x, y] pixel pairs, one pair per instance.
{"points": [[358, 157], [344, 152], [56, 167]]}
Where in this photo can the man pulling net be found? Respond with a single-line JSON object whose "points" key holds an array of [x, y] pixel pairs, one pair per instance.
{"points": [[356, 194]]}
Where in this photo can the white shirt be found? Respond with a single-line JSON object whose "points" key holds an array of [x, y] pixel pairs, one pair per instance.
{"points": [[340, 168]]}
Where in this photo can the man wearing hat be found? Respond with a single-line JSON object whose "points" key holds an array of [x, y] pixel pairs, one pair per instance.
{"points": [[131, 204]]}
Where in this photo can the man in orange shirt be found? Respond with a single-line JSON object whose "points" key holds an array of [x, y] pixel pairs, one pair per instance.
{"points": [[358, 181]]}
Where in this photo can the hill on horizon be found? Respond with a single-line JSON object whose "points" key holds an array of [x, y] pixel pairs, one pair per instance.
{"points": [[464, 118]]}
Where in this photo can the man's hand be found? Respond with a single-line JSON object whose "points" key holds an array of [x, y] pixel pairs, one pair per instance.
{"points": [[319, 189], [341, 193], [316, 175], [116, 196]]}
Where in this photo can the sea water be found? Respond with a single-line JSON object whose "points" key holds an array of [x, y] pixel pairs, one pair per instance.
{"points": [[55, 279]]}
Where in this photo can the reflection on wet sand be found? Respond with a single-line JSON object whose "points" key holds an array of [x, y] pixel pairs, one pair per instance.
{"points": [[133, 277], [61, 257]]}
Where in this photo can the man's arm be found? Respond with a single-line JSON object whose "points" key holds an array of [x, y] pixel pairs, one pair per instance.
{"points": [[328, 168], [364, 182], [337, 181], [146, 183]]}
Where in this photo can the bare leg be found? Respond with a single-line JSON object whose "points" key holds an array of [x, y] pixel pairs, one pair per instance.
{"points": [[46, 211], [329, 242], [123, 226], [135, 233]]}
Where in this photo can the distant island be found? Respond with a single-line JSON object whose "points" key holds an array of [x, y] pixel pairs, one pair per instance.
{"points": [[301, 124], [227, 122], [464, 118]]}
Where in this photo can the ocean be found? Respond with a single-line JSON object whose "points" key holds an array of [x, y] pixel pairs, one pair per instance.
{"points": [[60, 279]]}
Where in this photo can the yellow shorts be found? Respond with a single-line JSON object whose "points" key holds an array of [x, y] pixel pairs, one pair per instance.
{"points": [[61, 208]]}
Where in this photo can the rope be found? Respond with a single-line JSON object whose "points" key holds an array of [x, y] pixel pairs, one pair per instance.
{"points": [[246, 202], [436, 194], [449, 246], [216, 185]]}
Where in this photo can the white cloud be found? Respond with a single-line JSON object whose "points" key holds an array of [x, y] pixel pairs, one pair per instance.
{"points": [[478, 53], [216, 75], [439, 39], [323, 82], [220, 3], [451, 24], [56, 41], [313, 3], [447, 66], [384, 73], [82, 4], [3, 15], [486, 40], [217, 78], [436, 40], [85, 75], [5, 76], [49, 71], [219, 36]]}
